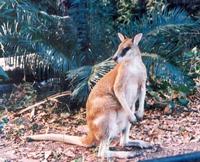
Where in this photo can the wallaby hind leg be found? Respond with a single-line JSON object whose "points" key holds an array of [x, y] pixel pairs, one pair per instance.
{"points": [[103, 147], [140, 112], [124, 139], [104, 152]]}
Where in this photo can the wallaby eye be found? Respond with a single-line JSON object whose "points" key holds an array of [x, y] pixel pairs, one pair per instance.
{"points": [[124, 51]]}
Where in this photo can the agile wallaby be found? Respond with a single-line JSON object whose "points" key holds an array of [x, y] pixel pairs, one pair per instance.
{"points": [[110, 107]]}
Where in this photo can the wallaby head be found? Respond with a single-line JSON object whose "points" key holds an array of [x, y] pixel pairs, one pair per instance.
{"points": [[128, 48]]}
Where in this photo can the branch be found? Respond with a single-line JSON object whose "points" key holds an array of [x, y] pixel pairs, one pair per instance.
{"points": [[52, 98]]}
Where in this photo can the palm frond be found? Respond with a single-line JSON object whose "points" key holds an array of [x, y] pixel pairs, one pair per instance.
{"points": [[3, 74], [32, 31], [160, 72], [83, 79], [167, 34], [164, 74], [78, 80]]}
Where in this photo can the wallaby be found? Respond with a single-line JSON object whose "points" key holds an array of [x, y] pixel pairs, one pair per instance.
{"points": [[110, 108]]}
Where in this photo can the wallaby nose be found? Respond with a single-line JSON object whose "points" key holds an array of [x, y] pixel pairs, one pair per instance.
{"points": [[114, 58]]}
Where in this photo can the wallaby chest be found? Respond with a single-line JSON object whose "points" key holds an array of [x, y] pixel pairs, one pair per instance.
{"points": [[135, 77]]}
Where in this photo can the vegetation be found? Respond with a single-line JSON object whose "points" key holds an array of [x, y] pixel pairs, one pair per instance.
{"points": [[3, 74], [75, 39]]}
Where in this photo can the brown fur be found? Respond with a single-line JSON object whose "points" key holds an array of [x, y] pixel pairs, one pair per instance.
{"points": [[108, 109]]}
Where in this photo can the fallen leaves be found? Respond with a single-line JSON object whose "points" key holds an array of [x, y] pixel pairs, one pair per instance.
{"points": [[22, 95], [176, 132]]}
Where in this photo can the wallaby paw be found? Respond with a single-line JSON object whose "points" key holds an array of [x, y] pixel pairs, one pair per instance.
{"points": [[139, 115], [132, 119]]}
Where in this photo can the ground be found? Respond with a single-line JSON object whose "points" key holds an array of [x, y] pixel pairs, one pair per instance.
{"points": [[170, 133]]}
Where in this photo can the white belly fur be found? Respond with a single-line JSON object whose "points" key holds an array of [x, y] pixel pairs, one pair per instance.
{"points": [[117, 123], [131, 93]]}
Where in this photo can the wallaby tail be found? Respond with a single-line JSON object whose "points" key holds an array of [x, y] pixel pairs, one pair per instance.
{"points": [[59, 137]]}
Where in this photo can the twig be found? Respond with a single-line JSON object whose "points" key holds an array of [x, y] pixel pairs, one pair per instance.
{"points": [[166, 129], [53, 98], [32, 113]]}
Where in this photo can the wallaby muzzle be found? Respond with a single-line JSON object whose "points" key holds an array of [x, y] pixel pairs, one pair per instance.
{"points": [[115, 58]]}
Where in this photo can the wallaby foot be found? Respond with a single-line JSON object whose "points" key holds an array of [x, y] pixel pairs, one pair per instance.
{"points": [[120, 154], [138, 143]]}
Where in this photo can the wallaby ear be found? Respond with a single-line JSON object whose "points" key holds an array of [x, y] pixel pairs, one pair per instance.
{"points": [[137, 39], [121, 36]]}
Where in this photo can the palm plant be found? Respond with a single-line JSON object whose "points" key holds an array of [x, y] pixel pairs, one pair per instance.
{"points": [[166, 36], [61, 42], [80, 45], [26, 30]]}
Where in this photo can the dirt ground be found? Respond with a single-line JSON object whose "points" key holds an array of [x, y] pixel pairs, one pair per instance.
{"points": [[170, 134]]}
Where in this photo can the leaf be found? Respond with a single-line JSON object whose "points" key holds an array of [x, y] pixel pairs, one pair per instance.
{"points": [[172, 105], [160, 72], [3, 74], [166, 74], [78, 80], [47, 154], [52, 37], [168, 33], [83, 79], [183, 101]]}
